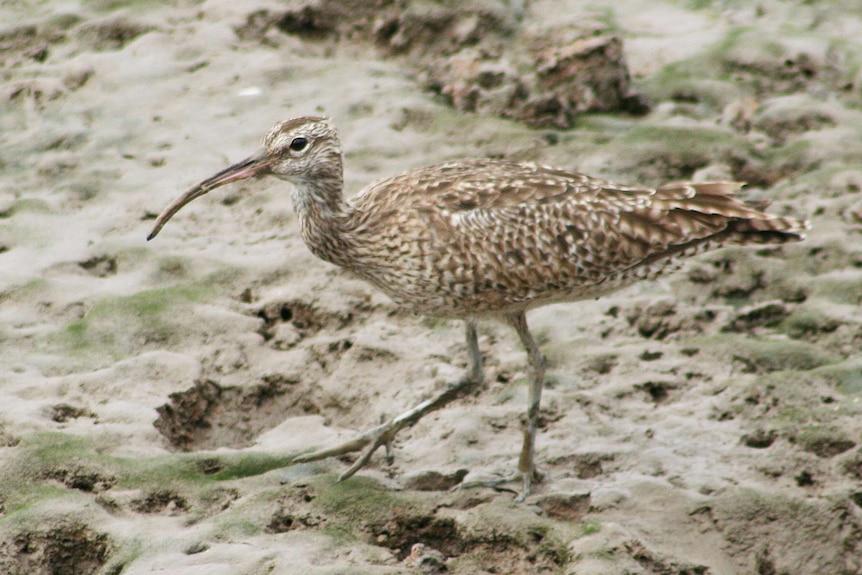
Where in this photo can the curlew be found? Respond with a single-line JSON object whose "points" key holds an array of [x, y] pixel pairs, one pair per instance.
{"points": [[478, 238]]}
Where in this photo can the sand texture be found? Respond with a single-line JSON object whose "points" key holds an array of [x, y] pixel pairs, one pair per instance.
{"points": [[152, 393]]}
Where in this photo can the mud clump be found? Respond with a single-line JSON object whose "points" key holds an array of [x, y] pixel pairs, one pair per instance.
{"points": [[766, 314], [759, 438], [294, 511], [479, 59], [209, 415], [287, 323], [100, 266], [584, 465], [403, 531], [81, 478], [567, 76], [283, 521], [784, 69], [430, 480], [303, 316], [566, 506], [33, 42], [655, 563], [657, 391], [453, 543], [823, 441], [162, 501], [63, 412], [578, 75], [65, 548], [666, 318]]}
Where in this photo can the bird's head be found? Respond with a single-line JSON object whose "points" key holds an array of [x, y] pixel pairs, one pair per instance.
{"points": [[301, 150], [296, 150]]}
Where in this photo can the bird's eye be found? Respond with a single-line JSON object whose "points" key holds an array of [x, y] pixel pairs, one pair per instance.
{"points": [[298, 144]]}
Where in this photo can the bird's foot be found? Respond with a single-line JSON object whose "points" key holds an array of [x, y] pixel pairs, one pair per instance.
{"points": [[527, 480], [368, 442], [384, 434]]}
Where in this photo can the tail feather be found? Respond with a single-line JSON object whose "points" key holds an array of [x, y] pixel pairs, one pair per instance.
{"points": [[769, 230], [738, 221]]}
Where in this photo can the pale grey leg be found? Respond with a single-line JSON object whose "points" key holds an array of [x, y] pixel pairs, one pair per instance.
{"points": [[526, 461], [384, 434], [475, 375]]}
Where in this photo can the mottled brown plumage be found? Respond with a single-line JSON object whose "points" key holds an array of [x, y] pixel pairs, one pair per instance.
{"points": [[473, 238]]}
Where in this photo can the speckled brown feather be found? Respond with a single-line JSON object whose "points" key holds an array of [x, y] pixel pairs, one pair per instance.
{"points": [[485, 237], [489, 236]]}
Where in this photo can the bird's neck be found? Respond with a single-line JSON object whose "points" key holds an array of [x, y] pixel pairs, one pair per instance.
{"points": [[325, 217]]}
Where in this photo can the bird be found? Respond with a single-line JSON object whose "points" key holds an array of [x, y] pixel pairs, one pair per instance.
{"points": [[490, 238]]}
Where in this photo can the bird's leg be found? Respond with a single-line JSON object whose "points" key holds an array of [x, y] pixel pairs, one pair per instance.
{"points": [[385, 433], [526, 461], [475, 376]]}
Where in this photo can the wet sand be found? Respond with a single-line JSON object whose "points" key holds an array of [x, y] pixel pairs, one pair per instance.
{"points": [[151, 393]]}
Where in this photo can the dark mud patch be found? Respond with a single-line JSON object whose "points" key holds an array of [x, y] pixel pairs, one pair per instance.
{"points": [[63, 412], [218, 499], [283, 520], [303, 316], [657, 564], [100, 266], [759, 438], [767, 314], [294, 511], [583, 465], [731, 274], [66, 548], [163, 501], [403, 531], [658, 392], [466, 550], [665, 318], [823, 441], [421, 528], [430, 480], [566, 506], [287, 323], [209, 415], [780, 127], [785, 70], [478, 59], [602, 363], [81, 478]]}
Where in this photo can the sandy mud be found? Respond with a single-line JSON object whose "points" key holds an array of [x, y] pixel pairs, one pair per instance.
{"points": [[151, 394]]}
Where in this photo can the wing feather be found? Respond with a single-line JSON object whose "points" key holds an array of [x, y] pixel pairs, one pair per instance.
{"points": [[526, 232]]}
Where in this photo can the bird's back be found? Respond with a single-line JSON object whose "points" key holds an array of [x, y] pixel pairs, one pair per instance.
{"points": [[488, 236]]}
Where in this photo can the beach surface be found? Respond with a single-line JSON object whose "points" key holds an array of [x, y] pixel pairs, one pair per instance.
{"points": [[152, 393]]}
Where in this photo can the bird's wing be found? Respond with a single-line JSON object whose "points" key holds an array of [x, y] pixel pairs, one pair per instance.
{"points": [[476, 184], [517, 206], [511, 199], [523, 232]]}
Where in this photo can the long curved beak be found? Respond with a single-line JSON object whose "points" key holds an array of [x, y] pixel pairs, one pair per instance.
{"points": [[252, 166]]}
